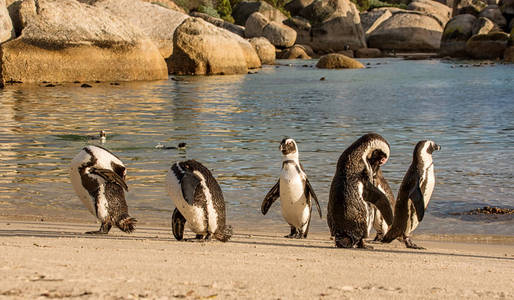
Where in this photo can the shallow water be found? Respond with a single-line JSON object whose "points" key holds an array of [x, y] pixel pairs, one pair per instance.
{"points": [[233, 124]]}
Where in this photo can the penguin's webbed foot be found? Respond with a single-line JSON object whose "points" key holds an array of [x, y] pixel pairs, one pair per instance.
{"points": [[293, 235], [362, 245], [104, 229], [409, 244]]}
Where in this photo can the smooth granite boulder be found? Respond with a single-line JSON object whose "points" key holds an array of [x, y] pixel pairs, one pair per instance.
{"points": [[295, 52], [265, 50], [408, 31], [255, 24], [370, 20], [65, 41], [156, 22], [368, 53], [487, 46], [278, 34], [6, 27], [200, 48], [493, 13], [484, 26], [244, 9], [338, 61], [439, 11], [237, 29], [456, 33], [335, 24]]}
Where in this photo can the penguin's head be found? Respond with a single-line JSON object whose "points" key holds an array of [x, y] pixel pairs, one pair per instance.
{"points": [[102, 134], [425, 147], [377, 158], [288, 146]]}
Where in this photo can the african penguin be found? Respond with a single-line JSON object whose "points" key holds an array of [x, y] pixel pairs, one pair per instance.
{"points": [[381, 183], [350, 213], [198, 202], [98, 177], [417, 186], [295, 192]]}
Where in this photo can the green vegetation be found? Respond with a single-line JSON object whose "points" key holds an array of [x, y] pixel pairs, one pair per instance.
{"points": [[160, 4], [377, 4]]}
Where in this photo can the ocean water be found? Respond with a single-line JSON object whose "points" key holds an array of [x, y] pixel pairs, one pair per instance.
{"points": [[233, 124]]}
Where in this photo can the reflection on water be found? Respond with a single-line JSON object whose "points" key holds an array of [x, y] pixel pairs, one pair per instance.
{"points": [[233, 124]]}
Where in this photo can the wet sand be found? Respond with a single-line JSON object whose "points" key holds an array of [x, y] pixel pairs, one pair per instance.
{"points": [[56, 260]]}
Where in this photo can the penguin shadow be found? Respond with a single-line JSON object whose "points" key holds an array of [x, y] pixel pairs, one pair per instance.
{"points": [[276, 241]]}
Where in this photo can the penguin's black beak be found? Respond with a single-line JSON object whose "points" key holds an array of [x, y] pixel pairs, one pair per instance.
{"points": [[437, 147]]}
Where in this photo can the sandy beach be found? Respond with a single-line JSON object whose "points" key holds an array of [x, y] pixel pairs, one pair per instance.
{"points": [[56, 260]]}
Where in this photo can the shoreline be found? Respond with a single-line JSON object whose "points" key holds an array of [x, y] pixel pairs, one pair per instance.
{"points": [[56, 260]]}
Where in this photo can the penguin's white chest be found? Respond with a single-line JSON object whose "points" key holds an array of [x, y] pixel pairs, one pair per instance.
{"points": [[430, 183], [293, 201]]}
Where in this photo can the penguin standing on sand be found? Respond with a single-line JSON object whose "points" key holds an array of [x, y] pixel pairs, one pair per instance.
{"points": [[295, 192], [98, 177], [198, 200], [414, 194], [350, 213]]}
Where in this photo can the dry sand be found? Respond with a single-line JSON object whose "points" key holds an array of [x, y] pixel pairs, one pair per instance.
{"points": [[56, 260]]}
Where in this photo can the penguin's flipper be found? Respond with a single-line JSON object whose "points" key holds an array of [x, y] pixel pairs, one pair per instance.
{"points": [[271, 197], [189, 183], [177, 224], [416, 196], [375, 196], [109, 176], [310, 190]]}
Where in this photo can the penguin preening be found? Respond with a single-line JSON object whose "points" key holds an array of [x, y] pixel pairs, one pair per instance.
{"points": [[414, 194], [98, 177], [294, 190], [350, 213], [198, 202], [381, 183]]}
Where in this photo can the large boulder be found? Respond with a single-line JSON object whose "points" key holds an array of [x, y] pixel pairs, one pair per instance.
{"points": [[370, 20], [237, 29], [255, 24], [507, 7], [483, 26], [244, 9], [493, 13], [472, 7], [295, 6], [409, 31], [439, 11], [156, 22], [368, 53], [65, 40], [201, 48], [6, 27], [302, 27], [335, 26], [278, 34], [338, 61], [265, 50], [456, 33], [295, 52], [487, 46]]}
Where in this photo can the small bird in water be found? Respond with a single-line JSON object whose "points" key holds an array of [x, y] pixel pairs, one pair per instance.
{"points": [[295, 192], [98, 177], [414, 194], [102, 137], [180, 146]]}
